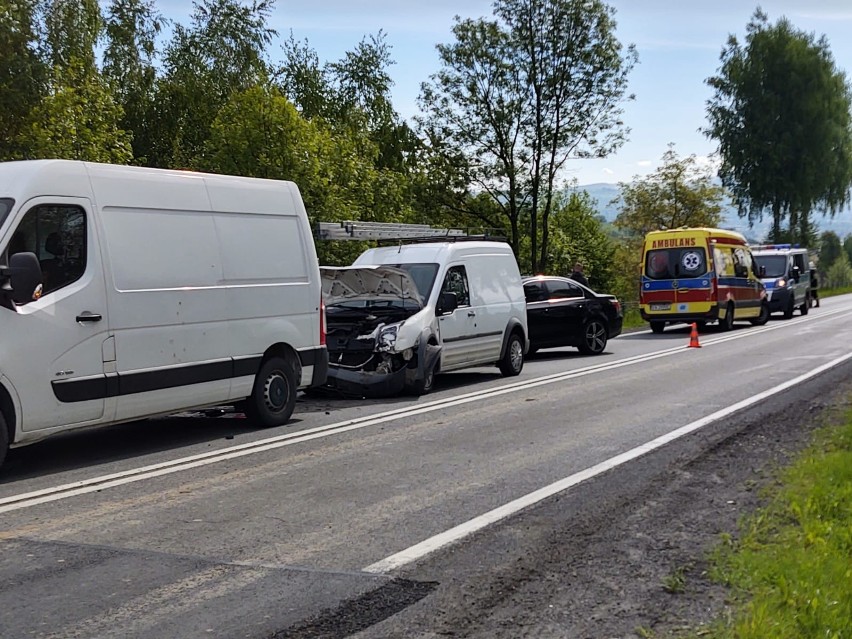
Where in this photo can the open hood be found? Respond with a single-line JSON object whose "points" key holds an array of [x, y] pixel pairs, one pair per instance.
{"points": [[347, 283]]}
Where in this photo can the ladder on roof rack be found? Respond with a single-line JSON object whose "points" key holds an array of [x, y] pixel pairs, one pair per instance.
{"points": [[390, 231]]}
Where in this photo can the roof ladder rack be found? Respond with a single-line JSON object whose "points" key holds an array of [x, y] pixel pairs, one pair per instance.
{"points": [[390, 231]]}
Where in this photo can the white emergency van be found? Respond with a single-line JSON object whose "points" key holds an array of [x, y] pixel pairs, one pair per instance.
{"points": [[400, 314], [130, 292]]}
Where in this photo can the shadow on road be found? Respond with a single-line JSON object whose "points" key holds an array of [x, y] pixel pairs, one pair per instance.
{"points": [[73, 450]]}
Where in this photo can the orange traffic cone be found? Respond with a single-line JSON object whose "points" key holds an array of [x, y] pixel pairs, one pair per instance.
{"points": [[693, 337]]}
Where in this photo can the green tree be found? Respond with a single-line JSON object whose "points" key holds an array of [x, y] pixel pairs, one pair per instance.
{"points": [[522, 95], [847, 247], [72, 31], [132, 27], [77, 120], [578, 235], [679, 193], [781, 116], [260, 133], [830, 250], [22, 73], [221, 52], [839, 274]]}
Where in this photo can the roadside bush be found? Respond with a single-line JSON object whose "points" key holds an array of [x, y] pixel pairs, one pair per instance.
{"points": [[839, 274]]}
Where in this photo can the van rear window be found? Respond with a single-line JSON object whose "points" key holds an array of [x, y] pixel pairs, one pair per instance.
{"points": [[674, 263]]}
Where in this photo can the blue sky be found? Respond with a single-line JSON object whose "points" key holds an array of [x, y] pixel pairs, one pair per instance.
{"points": [[678, 41]]}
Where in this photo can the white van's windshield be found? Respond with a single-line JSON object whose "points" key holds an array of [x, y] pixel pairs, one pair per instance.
{"points": [[422, 274], [675, 263], [776, 265]]}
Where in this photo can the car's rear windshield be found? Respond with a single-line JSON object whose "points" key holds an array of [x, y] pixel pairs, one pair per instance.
{"points": [[675, 263], [776, 265]]}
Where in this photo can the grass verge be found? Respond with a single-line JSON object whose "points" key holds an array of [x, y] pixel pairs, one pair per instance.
{"points": [[829, 292], [790, 572]]}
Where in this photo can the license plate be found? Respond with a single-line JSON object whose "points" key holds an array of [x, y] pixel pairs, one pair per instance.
{"points": [[661, 307]]}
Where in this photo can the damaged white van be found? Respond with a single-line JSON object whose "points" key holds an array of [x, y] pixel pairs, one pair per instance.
{"points": [[401, 314], [130, 292]]}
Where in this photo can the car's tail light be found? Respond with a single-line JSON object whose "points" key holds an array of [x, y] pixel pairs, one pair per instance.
{"points": [[322, 321], [617, 305]]}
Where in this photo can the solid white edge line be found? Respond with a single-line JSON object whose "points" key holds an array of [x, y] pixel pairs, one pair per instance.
{"points": [[453, 535], [45, 495]]}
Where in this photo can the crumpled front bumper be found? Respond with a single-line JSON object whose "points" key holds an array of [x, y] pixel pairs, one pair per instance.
{"points": [[365, 383]]}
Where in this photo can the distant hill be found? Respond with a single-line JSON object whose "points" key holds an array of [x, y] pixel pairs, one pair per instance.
{"points": [[604, 193]]}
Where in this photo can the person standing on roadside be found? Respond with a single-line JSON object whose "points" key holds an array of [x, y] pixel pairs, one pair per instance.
{"points": [[578, 276]]}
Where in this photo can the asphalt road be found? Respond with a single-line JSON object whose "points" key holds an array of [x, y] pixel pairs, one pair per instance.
{"points": [[203, 526]]}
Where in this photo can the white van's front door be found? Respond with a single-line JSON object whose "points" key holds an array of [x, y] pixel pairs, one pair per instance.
{"points": [[52, 347], [458, 329]]}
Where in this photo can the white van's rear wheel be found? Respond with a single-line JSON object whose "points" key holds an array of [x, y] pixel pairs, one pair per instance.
{"points": [[273, 397]]}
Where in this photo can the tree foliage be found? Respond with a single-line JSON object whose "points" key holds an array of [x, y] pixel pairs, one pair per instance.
{"points": [[830, 250], [23, 74], [781, 116], [132, 27], [77, 120], [679, 193], [522, 94], [221, 52], [578, 236]]}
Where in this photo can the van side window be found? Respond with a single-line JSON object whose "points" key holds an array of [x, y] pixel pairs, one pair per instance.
{"points": [[57, 235], [740, 263], [456, 282], [799, 260]]}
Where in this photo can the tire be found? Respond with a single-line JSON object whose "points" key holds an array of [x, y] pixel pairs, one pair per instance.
{"points": [[4, 438], [423, 386], [594, 338], [806, 306], [657, 327], [761, 319], [788, 312], [727, 324], [512, 362], [273, 397]]}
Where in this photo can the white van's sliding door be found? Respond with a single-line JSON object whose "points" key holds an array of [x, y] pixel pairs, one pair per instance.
{"points": [[57, 342]]}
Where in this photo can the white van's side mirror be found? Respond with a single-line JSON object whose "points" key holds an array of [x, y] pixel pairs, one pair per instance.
{"points": [[24, 277], [447, 303]]}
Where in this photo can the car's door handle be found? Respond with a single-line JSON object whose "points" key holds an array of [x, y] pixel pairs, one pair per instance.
{"points": [[683, 290], [87, 316], [471, 313]]}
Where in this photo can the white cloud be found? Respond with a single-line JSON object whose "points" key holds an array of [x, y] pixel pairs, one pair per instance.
{"points": [[607, 171], [644, 163]]}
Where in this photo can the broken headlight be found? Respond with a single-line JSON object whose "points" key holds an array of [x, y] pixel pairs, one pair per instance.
{"points": [[386, 339]]}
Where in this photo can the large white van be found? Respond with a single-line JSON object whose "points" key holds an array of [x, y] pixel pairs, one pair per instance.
{"points": [[401, 314], [130, 292]]}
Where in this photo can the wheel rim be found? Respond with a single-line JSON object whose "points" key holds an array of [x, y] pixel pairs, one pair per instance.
{"points": [[516, 355], [275, 392], [595, 337], [429, 380]]}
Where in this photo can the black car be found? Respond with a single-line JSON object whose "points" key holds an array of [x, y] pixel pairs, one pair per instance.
{"points": [[562, 312]]}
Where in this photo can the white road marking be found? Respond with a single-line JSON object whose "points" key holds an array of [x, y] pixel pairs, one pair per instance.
{"points": [[455, 534], [94, 484]]}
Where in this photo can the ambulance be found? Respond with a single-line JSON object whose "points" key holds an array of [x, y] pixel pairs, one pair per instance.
{"points": [[700, 275]]}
